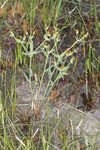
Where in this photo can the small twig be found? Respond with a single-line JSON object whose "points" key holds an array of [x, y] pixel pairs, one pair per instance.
{"points": [[72, 129], [35, 133], [78, 127], [4, 4]]}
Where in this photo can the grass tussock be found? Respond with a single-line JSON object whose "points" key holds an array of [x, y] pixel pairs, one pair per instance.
{"points": [[43, 41]]}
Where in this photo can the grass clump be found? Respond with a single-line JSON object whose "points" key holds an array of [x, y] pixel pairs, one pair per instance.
{"points": [[44, 26]]}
